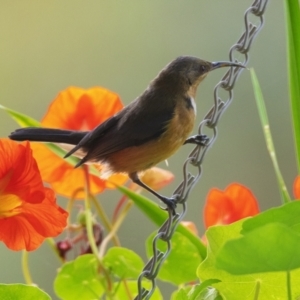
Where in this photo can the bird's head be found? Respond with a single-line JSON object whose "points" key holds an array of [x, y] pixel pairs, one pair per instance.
{"points": [[187, 71], [193, 69]]}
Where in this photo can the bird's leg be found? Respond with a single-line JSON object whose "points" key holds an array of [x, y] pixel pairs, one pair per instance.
{"points": [[170, 202], [198, 139]]}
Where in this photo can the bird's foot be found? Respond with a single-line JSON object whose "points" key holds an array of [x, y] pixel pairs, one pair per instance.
{"points": [[171, 204], [198, 139]]}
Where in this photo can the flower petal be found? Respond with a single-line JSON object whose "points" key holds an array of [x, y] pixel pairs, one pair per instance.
{"points": [[28, 229], [235, 203], [76, 109], [47, 218], [28, 212], [157, 178], [67, 180], [25, 180], [74, 181], [296, 187], [243, 201], [17, 233], [217, 208], [82, 109]]}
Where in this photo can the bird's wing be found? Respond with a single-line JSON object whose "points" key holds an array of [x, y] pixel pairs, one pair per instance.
{"points": [[96, 133], [133, 126]]}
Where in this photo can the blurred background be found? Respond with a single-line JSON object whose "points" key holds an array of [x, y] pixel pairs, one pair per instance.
{"points": [[47, 46]]}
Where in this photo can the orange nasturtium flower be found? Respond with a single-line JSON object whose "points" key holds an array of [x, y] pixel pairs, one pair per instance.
{"points": [[156, 178], [28, 211], [77, 109], [296, 187], [235, 203]]}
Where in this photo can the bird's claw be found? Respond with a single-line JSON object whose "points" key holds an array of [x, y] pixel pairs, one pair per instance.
{"points": [[198, 139], [170, 203]]}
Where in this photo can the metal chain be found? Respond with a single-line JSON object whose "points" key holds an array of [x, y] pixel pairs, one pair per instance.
{"points": [[195, 159]]}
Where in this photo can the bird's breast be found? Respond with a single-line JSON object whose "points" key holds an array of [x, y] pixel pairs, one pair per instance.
{"points": [[183, 121], [142, 157]]}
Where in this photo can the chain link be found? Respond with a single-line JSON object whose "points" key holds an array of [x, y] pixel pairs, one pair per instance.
{"points": [[195, 158]]}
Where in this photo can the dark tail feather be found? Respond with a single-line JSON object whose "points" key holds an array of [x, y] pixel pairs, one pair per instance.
{"points": [[48, 135]]}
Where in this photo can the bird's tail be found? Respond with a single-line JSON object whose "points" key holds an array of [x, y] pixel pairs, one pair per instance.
{"points": [[47, 135]]}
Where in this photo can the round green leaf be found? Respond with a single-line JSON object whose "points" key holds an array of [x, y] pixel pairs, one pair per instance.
{"points": [[123, 262], [79, 279], [270, 248], [267, 285], [287, 214], [22, 292]]}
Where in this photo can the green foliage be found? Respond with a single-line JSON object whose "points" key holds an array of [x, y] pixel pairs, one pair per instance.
{"points": [[79, 279], [181, 264], [22, 292], [123, 263], [268, 136], [292, 8], [158, 216], [255, 251], [82, 278], [201, 291], [21, 119], [256, 258], [131, 287], [287, 214]]}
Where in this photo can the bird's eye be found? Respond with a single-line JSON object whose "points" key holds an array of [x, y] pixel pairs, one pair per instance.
{"points": [[203, 68]]}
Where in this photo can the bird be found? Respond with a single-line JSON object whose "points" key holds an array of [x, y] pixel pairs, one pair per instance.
{"points": [[147, 131]]}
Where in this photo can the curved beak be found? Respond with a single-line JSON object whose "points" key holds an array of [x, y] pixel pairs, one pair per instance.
{"points": [[221, 64]]}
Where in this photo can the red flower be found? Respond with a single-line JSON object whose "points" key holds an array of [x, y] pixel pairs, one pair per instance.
{"points": [[28, 212], [235, 203], [296, 187], [76, 109]]}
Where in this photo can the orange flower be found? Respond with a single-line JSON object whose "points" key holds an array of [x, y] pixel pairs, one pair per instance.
{"points": [[296, 187], [156, 178], [28, 212], [235, 203], [76, 109]]}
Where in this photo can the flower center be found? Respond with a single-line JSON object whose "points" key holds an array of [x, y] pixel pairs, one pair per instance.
{"points": [[10, 205]]}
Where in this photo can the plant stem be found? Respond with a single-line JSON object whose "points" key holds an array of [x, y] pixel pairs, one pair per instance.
{"points": [[105, 219], [257, 290], [90, 231], [25, 268], [288, 285], [114, 229], [52, 245], [88, 215]]}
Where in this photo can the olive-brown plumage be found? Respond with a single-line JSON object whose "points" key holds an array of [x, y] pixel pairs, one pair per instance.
{"points": [[144, 133]]}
